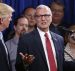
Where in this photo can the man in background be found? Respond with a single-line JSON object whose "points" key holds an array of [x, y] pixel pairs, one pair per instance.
{"points": [[57, 9], [35, 43], [29, 13]]}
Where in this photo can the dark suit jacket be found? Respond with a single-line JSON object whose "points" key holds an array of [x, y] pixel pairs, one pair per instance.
{"points": [[4, 66], [58, 29], [31, 44]]}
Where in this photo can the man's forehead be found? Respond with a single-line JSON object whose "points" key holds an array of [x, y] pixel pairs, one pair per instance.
{"points": [[43, 11]]}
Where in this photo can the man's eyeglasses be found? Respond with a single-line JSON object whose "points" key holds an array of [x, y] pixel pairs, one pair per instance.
{"points": [[45, 15]]}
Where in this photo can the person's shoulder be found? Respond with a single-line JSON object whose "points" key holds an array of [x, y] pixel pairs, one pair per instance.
{"points": [[56, 35], [8, 41], [58, 38], [27, 35]]}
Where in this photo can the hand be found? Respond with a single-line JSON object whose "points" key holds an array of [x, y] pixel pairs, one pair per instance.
{"points": [[28, 59]]}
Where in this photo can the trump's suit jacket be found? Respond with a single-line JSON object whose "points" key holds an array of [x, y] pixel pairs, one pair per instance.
{"points": [[31, 43], [4, 66]]}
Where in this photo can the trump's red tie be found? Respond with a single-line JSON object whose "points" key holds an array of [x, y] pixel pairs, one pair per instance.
{"points": [[50, 54]]}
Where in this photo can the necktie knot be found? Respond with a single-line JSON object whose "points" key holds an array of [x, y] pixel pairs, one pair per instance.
{"points": [[1, 36], [46, 35]]}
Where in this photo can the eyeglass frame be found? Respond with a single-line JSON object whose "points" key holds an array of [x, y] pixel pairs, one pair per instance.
{"points": [[45, 15]]}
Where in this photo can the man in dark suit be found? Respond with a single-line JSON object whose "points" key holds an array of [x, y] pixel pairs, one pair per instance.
{"points": [[5, 18], [57, 17], [33, 43]]}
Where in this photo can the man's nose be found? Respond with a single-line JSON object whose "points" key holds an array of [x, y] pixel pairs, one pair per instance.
{"points": [[32, 16], [43, 17]]}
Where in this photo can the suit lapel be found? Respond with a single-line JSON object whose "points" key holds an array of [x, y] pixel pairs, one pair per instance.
{"points": [[56, 45], [39, 45]]}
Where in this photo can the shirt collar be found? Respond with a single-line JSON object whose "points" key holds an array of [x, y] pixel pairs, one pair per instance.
{"points": [[43, 33], [1, 35], [40, 31]]}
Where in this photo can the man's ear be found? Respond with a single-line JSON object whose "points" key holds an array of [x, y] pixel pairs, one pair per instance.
{"points": [[1, 20]]}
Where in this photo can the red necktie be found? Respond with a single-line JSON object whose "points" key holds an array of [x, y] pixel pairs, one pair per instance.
{"points": [[50, 54]]}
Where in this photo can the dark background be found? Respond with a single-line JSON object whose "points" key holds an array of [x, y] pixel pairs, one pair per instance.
{"points": [[19, 5]]}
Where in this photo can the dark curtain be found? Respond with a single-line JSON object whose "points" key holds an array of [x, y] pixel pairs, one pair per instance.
{"points": [[19, 5]]}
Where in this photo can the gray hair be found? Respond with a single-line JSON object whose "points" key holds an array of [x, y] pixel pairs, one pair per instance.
{"points": [[44, 6]]}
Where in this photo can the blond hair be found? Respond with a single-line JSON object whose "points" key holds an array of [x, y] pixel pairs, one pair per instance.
{"points": [[5, 10]]}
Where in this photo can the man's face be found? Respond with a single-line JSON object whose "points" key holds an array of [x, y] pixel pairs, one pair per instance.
{"points": [[57, 12], [43, 18], [30, 16], [22, 26]]}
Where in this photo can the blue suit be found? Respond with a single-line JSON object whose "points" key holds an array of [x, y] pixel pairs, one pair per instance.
{"points": [[31, 43]]}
